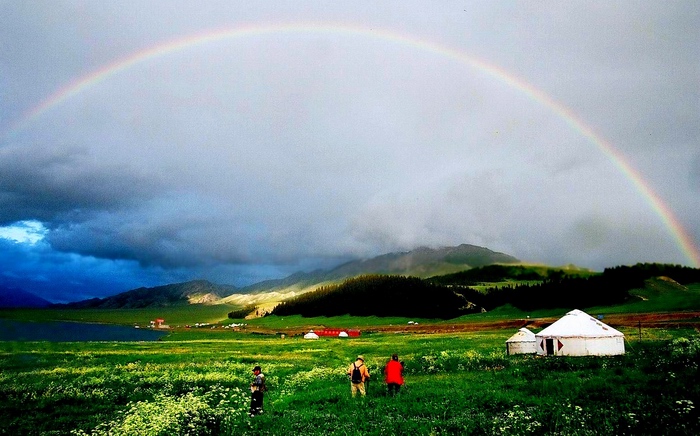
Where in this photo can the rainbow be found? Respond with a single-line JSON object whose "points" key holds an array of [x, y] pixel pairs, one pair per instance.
{"points": [[681, 236]]}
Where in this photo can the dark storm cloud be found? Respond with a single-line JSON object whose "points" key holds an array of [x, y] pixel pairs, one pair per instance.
{"points": [[249, 157], [182, 238], [62, 277], [52, 183]]}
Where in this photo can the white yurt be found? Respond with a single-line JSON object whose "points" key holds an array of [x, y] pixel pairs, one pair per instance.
{"points": [[311, 335], [343, 335], [579, 334], [522, 342]]}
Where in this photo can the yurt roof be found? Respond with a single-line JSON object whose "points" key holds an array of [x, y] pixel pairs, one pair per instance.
{"points": [[522, 335], [581, 324]]}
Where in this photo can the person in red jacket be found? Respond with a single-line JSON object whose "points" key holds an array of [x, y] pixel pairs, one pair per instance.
{"points": [[393, 375]]}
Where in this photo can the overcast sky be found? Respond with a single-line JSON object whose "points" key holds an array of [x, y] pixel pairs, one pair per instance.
{"points": [[343, 130]]}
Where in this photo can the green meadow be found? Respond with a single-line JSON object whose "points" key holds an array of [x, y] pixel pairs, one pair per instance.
{"points": [[191, 383], [195, 381]]}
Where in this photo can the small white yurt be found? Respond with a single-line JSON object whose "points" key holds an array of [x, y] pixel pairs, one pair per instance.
{"points": [[343, 335], [579, 334], [311, 335], [522, 342]]}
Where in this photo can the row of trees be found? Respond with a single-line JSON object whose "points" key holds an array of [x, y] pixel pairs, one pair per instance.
{"points": [[378, 295], [242, 312], [610, 287], [501, 273]]}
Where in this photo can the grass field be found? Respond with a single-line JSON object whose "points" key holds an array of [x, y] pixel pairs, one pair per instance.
{"points": [[195, 381], [460, 383]]}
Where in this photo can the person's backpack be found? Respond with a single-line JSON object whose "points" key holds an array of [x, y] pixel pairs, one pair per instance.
{"points": [[356, 376]]}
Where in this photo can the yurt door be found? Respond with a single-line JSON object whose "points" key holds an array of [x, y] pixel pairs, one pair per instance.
{"points": [[549, 344]]}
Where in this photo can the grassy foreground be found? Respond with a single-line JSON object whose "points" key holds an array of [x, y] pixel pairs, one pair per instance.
{"points": [[460, 383]]}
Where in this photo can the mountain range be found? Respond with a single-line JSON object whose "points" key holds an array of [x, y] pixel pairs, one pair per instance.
{"points": [[193, 292], [422, 262]]}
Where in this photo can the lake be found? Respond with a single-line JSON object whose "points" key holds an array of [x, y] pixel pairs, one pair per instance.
{"points": [[59, 331]]}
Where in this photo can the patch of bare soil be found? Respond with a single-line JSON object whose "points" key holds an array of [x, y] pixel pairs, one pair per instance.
{"points": [[665, 319]]}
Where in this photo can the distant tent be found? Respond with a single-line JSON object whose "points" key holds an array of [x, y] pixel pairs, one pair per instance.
{"points": [[522, 342], [579, 334], [311, 335], [343, 335]]}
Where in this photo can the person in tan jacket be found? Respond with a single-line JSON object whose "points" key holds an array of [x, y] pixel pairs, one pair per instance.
{"points": [[358, 373]]}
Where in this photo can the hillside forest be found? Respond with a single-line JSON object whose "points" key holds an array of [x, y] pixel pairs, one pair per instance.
{"points": [[481, 289]]}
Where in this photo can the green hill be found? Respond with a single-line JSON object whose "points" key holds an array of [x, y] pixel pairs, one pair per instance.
{"points": [[663, 294], [545, 288], [614, 286]]}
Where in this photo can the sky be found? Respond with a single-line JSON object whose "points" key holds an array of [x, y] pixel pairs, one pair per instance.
{"points": [[146, 143]]}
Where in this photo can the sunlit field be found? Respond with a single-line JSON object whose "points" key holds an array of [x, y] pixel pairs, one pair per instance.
{"points": [[455, 383]]}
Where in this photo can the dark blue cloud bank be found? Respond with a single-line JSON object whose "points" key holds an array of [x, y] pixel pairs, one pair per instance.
{"points": [[30, 263], [63, 277]]}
